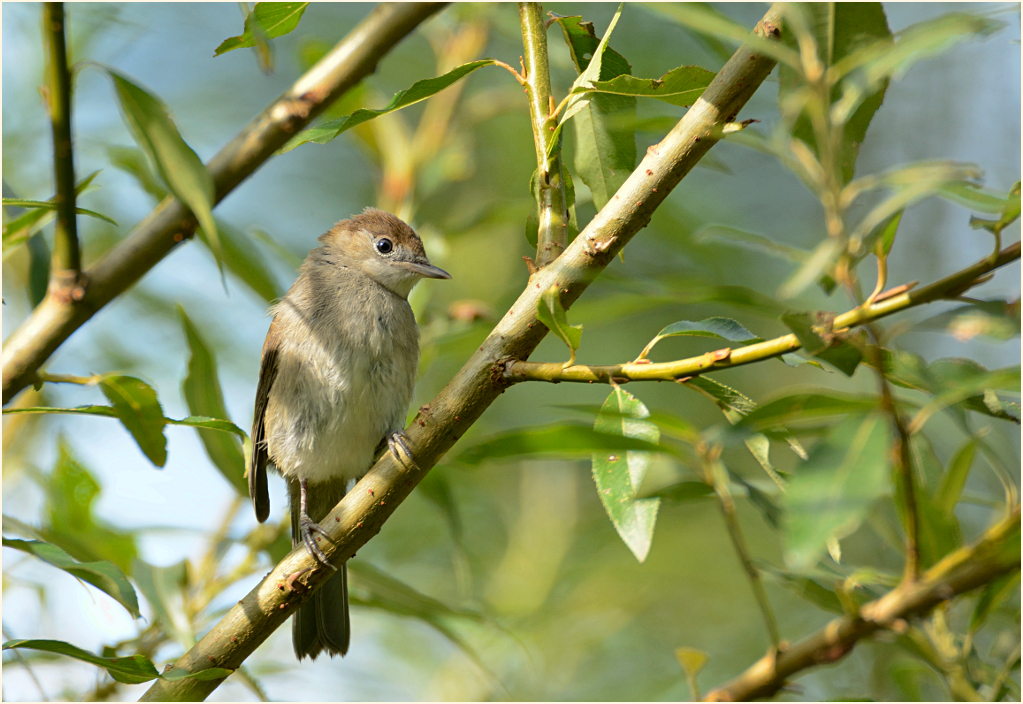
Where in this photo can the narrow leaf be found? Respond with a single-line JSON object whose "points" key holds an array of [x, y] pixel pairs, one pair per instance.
{"points": [[681, 86], [717, 327], [952, 483], [103, 575], [164, 589], [135, 403], [618, 476], [201, 388], [128, 669], [724, 234], [420, 90], [178, 166], [271, 19], [49, 205], [807, 406]]}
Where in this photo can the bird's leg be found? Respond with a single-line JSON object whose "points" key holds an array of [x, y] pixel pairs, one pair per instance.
{"points": [[398, 444], [307, 527]]}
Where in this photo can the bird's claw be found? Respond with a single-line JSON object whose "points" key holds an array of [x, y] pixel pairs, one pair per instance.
{"points": [[397, 443], [307, 527]]}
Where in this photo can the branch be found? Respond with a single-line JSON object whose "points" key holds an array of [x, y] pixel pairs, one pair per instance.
{"points": [[995, 554], [439, 424], [67, 262], [552, 236], [354, 58], [680, 370]]}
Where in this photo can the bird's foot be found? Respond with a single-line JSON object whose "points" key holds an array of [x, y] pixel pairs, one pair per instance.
{"points": [[308, 528], [397, 442]]}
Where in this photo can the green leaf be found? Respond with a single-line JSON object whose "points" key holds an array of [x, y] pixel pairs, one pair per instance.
{"points": [[819, 263], [164, 589], [50, 205], [839, 29], [592, 72], [938, 531], [723, 234], [126, 669], [133, 669], [38, 268], [884, 232], [961, 380], [994, 593], [103, 575], [71, 492], [201, 388], [268, 19], [808, 588], [680, 492], [604, 154], [582, 45], [563, 440], [206, 422], [420, 90], [179, 167], [618, 476], [1009, 213], [135, 403], [834, 489], [952, 483], [551, 313], [998, 319], [717, 327], [680, 86], [24, 225], [133, 162], [844, 356], [807, 406], [814, 332]]}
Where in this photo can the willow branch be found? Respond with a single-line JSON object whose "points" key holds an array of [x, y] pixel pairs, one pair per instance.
{"points": [[170, 223], [997, 553], [552, 236], [440, 423], [516, 370], [67, 261]]}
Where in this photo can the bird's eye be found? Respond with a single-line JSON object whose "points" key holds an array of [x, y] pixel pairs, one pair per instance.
{"points": [[385, 246]]}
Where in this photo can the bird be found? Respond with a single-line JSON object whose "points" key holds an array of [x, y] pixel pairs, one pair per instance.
{"points": [[336, 378]]}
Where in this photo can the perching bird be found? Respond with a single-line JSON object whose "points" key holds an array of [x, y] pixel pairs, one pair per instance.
{"points": [[335, 382]]}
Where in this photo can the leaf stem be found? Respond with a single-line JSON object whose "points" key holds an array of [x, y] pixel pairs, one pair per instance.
{"points": [[715, 474], [552, 201], [66, 268], [681, 370]]}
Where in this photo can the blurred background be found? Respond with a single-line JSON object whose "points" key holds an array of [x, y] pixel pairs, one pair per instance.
{"points": [[541, 598]]}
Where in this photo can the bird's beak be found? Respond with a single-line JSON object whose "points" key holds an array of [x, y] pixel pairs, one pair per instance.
{"points": [[426, 270]]}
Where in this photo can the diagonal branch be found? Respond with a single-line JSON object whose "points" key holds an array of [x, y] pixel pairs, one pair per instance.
{"points": [[683, 369], [170, 223], [995, 554], [66, 256], [552, 235], [439, 424]]}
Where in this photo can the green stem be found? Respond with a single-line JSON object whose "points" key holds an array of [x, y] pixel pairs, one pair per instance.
{"points": [[66, 256], [680, 370], [553, 211], [716, 474]]}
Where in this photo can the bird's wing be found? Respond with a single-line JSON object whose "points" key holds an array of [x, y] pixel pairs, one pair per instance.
{"points": [[258, 491]]}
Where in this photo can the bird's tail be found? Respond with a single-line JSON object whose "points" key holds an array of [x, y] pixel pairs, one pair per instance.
{"points": [[322, 623]]}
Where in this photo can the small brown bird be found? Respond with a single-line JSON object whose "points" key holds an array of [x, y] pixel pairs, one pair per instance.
{"points": [[339, 364]]}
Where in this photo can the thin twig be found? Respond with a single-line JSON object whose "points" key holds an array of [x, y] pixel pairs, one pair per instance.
{"points": [[715, 472], [552, 236], [67, 262], [961, 571], [680, 370]]}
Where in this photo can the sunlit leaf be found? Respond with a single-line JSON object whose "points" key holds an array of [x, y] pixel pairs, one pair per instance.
{"points": [[680, 86], [619, 475], [103, 575], [268, 19], [834, 489], [201, 388], [420, 90], [178, 166], [135, 403], [551, 313]]}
